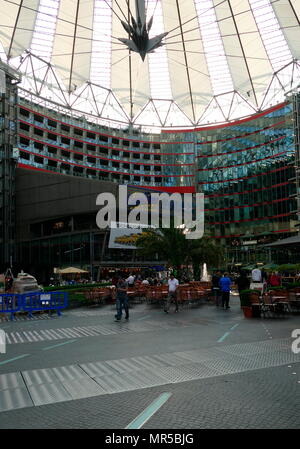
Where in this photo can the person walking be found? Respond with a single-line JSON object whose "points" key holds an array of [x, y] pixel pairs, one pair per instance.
{"points": [[242, 282], [216, 287], [256, 275], [172, 285], [274, 280], [122, 299], [130, 280], [225, 283]]}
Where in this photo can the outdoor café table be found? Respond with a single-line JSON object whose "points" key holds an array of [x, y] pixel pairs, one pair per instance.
{"points": [[131, 293], [281, 300], [294, 301]]}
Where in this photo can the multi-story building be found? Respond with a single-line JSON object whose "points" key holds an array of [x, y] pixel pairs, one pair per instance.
{"points": [[246, 170], [8, 159], [196, 102]]}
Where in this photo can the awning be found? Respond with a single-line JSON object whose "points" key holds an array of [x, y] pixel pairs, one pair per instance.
{"points": [[295, 240]]}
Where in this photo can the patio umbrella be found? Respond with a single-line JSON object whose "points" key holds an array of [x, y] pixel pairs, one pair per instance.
{"points": [[270, 266], [71, 270], [248, 267]]}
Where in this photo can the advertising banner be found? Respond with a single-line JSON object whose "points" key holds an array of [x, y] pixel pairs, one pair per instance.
{"points": [[125, 237]]}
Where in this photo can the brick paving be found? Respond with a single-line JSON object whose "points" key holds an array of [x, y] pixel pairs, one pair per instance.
{"points": [[223, 371]]}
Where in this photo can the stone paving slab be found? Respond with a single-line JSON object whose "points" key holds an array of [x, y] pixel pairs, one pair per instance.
{"points": [[50, 385]]}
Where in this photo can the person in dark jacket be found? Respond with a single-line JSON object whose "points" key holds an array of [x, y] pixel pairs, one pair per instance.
{"points": [[215, 286], [122, 299], [242, 282]]}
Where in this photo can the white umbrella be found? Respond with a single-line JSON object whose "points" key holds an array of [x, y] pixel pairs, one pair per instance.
{"points": [[71, 270]]}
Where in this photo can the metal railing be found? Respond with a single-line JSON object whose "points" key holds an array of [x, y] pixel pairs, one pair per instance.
{"points": [[33, 302]]}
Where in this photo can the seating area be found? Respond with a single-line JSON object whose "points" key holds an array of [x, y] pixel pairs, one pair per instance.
{"points": [[99, 295], [189, 295], [275, 303]]}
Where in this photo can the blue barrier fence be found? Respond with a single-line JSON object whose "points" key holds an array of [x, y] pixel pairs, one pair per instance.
{"points": [[10, 303], [33, 302]]}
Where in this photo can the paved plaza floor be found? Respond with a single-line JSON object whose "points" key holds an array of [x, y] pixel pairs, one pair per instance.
{"points": [[210, 368]]}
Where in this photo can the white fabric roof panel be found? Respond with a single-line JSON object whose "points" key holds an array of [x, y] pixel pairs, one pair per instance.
{"points": [[190, 70], [73, 42], [17, 24], [288, 15]]}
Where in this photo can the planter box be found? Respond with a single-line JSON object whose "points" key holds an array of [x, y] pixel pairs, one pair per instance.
{"points": [[247, 312], [255, 310]]}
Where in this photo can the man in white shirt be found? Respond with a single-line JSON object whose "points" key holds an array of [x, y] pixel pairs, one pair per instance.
{"points": [[173, 284], [130, 280], [256, 275]]}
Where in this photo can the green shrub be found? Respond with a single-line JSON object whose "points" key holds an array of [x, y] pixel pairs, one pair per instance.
{"points": [[288, 268], [76, 299], [293, 285], [245, 297], [78, 287]]}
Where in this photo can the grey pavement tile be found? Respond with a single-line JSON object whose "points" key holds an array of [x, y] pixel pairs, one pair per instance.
{"points": [[124, 365], [39, 376], [70, 372], [170, 359], [97, 369], [177, 374], [82, 388], [11, 380], [14, 398], [257, 347], [200, 355], [48, 393], [116, 383]]}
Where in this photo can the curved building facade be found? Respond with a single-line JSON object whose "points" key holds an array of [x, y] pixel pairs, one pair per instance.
{"points": [[247, 170]]}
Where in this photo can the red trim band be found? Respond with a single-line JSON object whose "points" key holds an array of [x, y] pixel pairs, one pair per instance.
{"points": [[225, 125], [241, 135], [248, 191], [92, 132], [250, 219], [102, 169], [102, 157], [245, 177], [264, 203], [243, 149], [244, 163]]}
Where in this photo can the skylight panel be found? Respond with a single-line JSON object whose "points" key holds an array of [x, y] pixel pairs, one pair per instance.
{"points": [[160, 85], [274, 41], [221, 79], [43, 35], [101, 47]]}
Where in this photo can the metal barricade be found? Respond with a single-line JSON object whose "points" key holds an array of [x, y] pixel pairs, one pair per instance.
{"points": [[39, 301], [10, 303]]}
